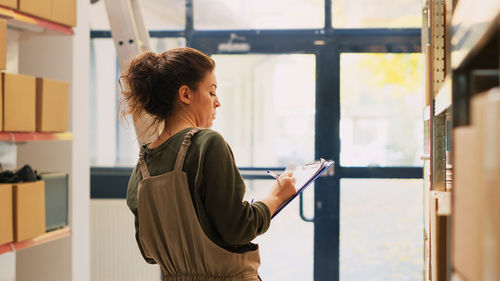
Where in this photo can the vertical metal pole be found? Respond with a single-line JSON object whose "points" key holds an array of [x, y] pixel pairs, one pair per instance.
{"points": [[189, 22], [327, 145], [328, 15]]}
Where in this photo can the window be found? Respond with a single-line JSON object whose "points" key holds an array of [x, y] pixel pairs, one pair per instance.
{"points": [[380, 115], [381, 229], [258, 14], [267, 112], [376, 14], [157, 14]]}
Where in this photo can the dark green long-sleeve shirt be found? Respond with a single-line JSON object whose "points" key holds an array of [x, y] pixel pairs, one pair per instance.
{"points": [[216, 189]]}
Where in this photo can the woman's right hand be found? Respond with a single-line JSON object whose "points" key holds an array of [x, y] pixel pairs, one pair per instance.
{"points": [[282, 189]]}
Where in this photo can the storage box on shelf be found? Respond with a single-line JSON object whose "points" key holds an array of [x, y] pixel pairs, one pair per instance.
{"points": [[64, 12], [3, 44], [485, 114], [19, 103], [9, 3], [61, 19], [29, 210], [56, 200], [6, 216], [39, 8], [467, 202], [51, 105]]}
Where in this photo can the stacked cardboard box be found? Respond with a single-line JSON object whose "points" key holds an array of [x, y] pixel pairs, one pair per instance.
{"points": [[3, 44], [476, 222], [31, 104], [19, 106], [59, 11], [6, 222], [9, 3], [39, 8], [64, 12], [29, 210], [51, 105]]}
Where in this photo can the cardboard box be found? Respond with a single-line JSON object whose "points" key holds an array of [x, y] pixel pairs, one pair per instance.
{"points": [[29, 210], [3, 44], [1, 102], [9, 3], [64, 12], [485, 118], [466, 252], [6, 216], [19, 108], [51, 105], [38, 8]]}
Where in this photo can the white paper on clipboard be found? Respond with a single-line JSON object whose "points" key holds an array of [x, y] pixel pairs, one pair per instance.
{"points": [[304, 175]]}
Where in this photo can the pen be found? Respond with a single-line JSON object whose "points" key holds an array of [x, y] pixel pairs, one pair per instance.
{"points": [[272, 174]]}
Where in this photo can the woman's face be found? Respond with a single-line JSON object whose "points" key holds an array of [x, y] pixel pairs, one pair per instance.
{"points": [[206, 101]]}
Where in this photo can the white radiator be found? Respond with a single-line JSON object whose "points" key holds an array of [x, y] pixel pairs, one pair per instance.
{"points": [[114, 252]]}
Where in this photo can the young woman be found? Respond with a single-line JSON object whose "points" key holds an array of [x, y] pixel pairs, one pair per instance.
{"points": [[186, 192]]}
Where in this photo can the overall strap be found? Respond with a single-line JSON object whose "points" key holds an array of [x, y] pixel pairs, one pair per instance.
{"points": [[179, 162], [142, 163]]}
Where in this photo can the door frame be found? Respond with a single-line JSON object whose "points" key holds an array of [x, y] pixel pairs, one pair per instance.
{"points": [[327, 44]]}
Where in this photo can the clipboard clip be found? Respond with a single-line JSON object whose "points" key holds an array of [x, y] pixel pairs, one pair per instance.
{"points": [[330, 172]]}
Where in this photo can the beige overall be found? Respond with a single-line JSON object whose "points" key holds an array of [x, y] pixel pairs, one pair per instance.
{"points": [[170, 233]]}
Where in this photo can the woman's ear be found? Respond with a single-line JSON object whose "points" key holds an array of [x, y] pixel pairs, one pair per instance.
{"points": [[185, 94]]}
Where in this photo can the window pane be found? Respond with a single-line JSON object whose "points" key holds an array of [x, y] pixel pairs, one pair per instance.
{"points": [[157, 14], [381, 118], [287, 248], [381, 230], [113, 142], [258, 14], [376, 14], [267, 112]]}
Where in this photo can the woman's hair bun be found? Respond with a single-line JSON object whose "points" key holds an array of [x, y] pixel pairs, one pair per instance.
{"points": [[151, 82]]}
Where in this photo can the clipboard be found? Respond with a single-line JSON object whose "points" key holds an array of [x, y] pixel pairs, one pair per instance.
{"points": [[305, 175]]}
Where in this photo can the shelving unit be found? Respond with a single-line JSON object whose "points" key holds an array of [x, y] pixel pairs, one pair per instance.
{"points": [[42, 48], [24, 137], [45, 238], [464, 201], [24, 21], [437, 140]]}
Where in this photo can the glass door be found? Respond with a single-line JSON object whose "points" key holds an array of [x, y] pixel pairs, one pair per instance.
{"points": [[381, 219], [268, 119]]}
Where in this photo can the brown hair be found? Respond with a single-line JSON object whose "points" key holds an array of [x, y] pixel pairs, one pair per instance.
{"points": [[152, 81]]}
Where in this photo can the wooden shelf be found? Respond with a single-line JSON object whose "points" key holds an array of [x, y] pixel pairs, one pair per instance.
{"points": [[443, 98], [24, 137], [473, 25], [44, 238], [24, 21]]}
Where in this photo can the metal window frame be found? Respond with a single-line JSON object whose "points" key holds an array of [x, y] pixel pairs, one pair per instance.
{"points": [[327, 44]]}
